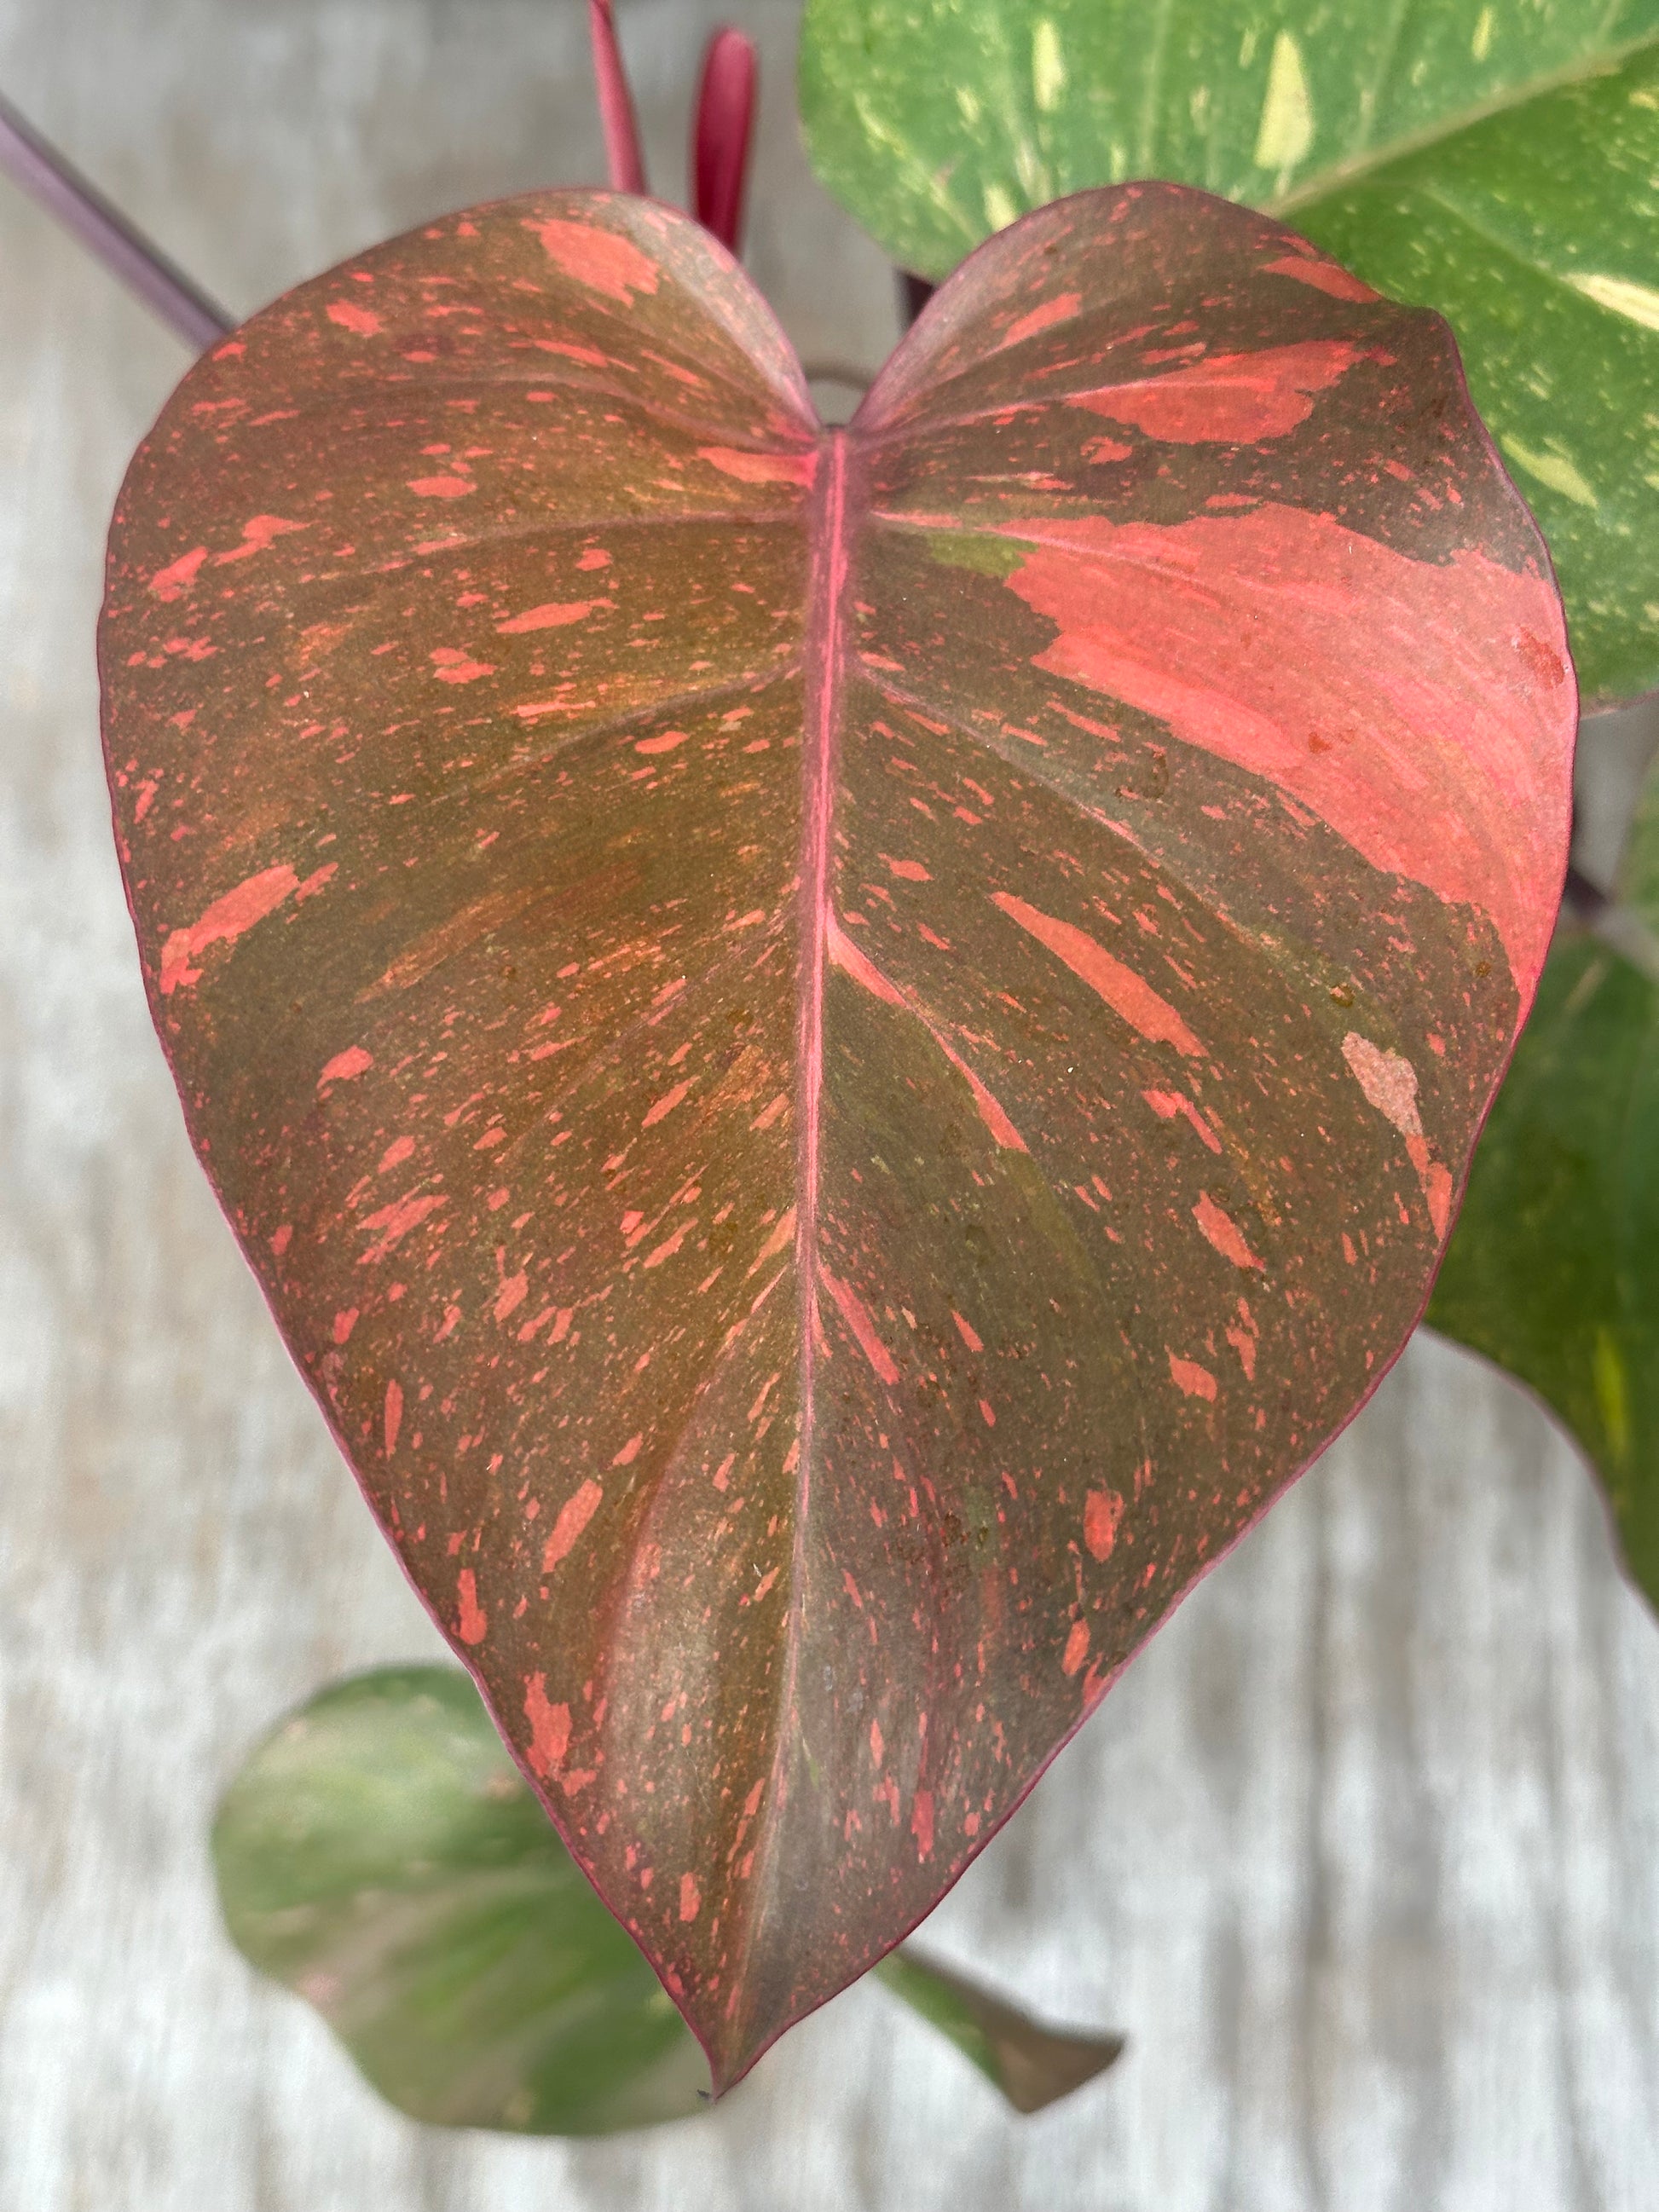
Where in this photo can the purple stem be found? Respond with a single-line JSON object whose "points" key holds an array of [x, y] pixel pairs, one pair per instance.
{"points": [[43, 174], [622, 135], [722, 127]]}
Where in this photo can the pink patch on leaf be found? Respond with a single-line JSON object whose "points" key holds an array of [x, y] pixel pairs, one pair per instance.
{"points": [[259, 532], [1128, 995], [1166, 1104], [452, 666], [921, 1822], [176, 579], [574, 1516], [1060, 309], [1223, 1232], [1254, 635], [555, 614], [363, 321], [473, 1622], [223, 922], [549, 1728], [1190, 1379], [665, 1105], [1101, 1511], [1324, 276], [1232, 399], [846, 955], [604, 261], [1388, 1079], [761, 467], [1077, 1648], [346, 1066], [856, 1314]]}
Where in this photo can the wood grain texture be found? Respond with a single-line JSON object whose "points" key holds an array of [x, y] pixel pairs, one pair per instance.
{"points": [[1363, 1854]]}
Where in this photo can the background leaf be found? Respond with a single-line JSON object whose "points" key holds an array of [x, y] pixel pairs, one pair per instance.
{"points": [[1496, 162], [1554, 1268], [380, 1854], [838, 1053]]}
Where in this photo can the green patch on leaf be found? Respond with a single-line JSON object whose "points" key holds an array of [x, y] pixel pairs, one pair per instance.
{"points": [[984, 555]]}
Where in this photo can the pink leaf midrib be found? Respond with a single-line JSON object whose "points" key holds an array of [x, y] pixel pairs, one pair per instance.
{"points": [[825, 658]]}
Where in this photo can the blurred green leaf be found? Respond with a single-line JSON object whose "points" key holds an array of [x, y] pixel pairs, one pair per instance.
{"points": [[1492, 160], [1032, 2065], [380, 1854], [1554, 1268]]}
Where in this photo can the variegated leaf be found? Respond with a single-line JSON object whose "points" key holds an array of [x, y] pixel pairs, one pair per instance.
{"points": [[839, 1051]]}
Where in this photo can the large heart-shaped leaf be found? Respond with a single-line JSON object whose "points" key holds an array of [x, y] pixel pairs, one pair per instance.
{"points": [[1554, 1271], [1495, 162], [380, 1854], [838, 1051]]}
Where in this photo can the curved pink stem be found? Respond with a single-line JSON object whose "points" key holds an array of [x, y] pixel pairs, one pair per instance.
{"points": [[721, 133], [622, 132]]}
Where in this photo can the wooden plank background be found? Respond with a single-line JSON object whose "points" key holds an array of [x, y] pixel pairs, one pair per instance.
{"points": [[1363, 1855]]}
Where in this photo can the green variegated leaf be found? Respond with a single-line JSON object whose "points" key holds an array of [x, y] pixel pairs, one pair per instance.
{"points": [[380, 1854], [1553, 1270], [1493, 159], [840, 1051]]}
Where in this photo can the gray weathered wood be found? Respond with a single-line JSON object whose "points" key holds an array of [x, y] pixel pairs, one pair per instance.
{"points": [[1363, 1854]]}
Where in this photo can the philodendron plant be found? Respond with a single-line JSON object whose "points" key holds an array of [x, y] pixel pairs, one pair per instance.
{"points": [[840, 1051]]}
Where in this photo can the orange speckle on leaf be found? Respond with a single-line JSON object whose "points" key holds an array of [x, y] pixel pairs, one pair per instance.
{"points": [[1101, 1511], [1060, 309], [1077, 1648], [442, 486], [345, 1066], [921, 1822], [856, 1314], [550, 1726], [1223, 1232], [574, 1516], [1128, 995], [665, 1105], [176, 579], [1192, 1380], [362, 321], [452, 666], [553, 614], [601, 259], [223, 922], [761, 467], [473, 1623]]}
